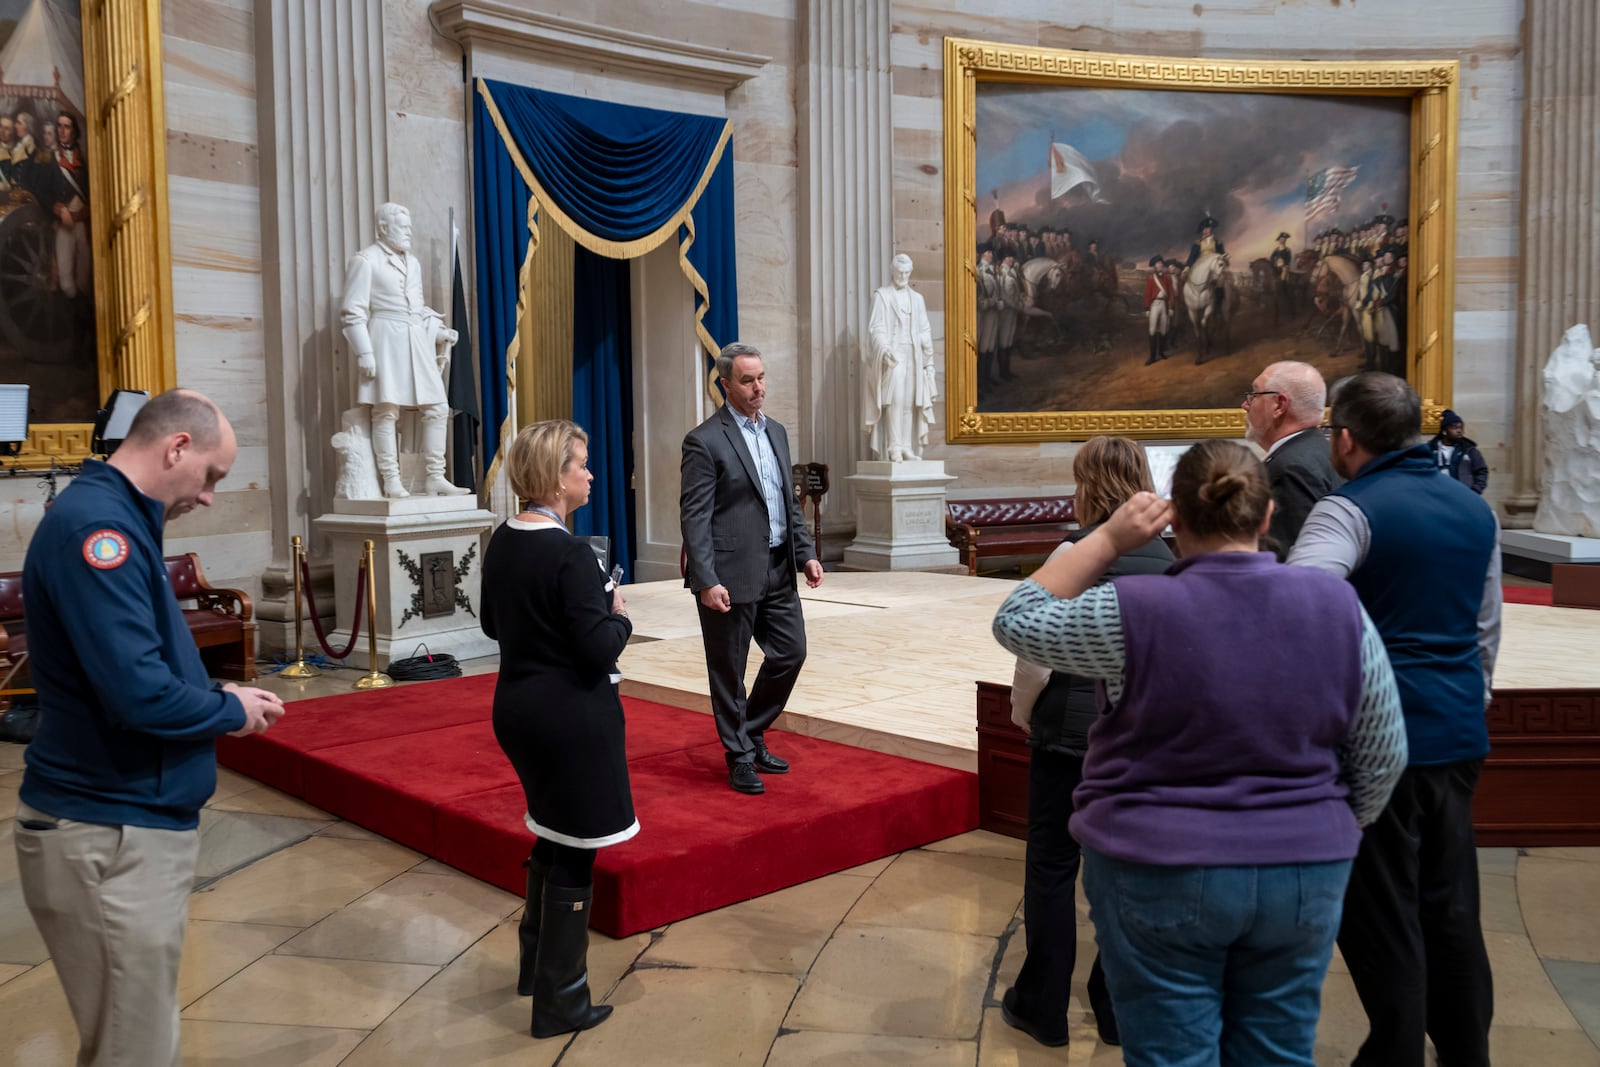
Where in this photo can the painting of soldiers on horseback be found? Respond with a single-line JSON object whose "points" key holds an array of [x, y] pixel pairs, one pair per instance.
{"points": [[1153, 249]]}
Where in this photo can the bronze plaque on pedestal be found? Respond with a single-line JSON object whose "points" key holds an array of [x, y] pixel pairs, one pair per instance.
{"points": [[438, 584]]}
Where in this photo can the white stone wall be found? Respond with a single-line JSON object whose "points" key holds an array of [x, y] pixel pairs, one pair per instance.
{"points": [[1483, 35]]}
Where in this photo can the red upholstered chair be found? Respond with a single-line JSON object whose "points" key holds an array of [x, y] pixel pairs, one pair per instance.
{"points": [[222, 620]]}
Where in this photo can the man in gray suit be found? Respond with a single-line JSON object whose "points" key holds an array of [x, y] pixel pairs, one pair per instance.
{"points": [[1282, 411], [744, 538]]}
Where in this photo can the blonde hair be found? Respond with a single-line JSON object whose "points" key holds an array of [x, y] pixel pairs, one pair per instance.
{"points": [[1220, 488], [1108, 470], [538, 456]]}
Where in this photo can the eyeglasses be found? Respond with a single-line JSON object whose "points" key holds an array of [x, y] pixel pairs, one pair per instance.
{"points": [[1260, 392], [1329, 430]]}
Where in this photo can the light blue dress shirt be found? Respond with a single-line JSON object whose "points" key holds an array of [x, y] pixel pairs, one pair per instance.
{"points": [[755, 438]]}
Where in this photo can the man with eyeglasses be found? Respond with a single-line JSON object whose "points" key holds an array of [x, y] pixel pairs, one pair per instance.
{"points": [[1281, 414], [1423, 553]]}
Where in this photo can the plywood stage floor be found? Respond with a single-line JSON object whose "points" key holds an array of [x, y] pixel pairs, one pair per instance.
{"points": [[893, 658]]}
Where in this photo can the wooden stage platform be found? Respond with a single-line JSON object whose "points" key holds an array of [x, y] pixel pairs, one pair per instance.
{"points": [[894, 662]]}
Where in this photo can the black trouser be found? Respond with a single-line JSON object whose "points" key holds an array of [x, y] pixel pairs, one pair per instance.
{"points": [[1049, 909], [565, 865], [776, 624], [1411, 935]]}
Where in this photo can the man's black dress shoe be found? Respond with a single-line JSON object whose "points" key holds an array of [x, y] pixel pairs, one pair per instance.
{"points": [[1017, 1021], [767, 763], [744, 779]]}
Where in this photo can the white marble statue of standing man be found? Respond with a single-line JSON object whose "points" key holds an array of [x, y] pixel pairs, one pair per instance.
{"points": [[898, 380], [401, 350]]}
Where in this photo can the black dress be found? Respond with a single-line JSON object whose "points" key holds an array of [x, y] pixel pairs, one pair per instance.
{"points": [[557, 714]]}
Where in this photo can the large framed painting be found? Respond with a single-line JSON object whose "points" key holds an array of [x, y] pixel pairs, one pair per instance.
{"points": [[1131, 239], [85, 272]]}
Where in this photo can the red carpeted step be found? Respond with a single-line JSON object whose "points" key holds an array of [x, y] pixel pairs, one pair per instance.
{"points": [[442, 786]]}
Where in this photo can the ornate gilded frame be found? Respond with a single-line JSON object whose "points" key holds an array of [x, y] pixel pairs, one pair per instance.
{"points": [[126, 142], [1432, 89]]}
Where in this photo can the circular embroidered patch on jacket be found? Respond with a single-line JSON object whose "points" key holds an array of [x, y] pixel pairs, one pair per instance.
{"points": [[105, 549]]}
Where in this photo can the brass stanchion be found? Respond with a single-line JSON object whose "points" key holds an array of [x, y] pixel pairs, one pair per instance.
{"points": [[299, 668], [374, 678]]}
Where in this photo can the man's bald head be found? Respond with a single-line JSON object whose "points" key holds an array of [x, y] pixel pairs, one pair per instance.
{"points": [[1302, 387], [178, 411]]}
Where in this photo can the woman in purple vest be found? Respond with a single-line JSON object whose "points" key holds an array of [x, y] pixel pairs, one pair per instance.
{"points": [[1251, 727]]}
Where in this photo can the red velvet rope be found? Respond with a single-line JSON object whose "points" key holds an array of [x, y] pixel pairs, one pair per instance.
{"points": [[316, 619]]}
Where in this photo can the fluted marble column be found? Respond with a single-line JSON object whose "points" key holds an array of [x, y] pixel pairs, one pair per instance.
{"points": [[1559, 284], [847, 216], [324, 170]]}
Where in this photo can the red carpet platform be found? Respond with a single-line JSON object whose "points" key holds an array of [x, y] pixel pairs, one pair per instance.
{"points": [[1537, 595], [420, 765]]}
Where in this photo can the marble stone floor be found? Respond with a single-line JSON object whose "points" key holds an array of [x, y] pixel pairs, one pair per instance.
{"points": [[311, 941]]}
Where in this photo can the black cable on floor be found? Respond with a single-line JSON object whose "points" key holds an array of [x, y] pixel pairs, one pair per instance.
{"points": [[426, 667]]}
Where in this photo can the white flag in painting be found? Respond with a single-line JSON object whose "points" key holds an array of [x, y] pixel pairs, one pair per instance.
{"points": [[1069, 171]]}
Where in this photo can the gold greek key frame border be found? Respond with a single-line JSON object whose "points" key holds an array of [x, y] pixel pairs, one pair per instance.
{"points": [[126, 141], [1432, 86]]}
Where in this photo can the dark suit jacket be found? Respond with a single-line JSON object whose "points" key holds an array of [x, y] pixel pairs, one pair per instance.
{"points": [[1300, 474], [723, 514]]}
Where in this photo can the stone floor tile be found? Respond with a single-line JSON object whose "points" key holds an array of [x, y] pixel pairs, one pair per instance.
{"points": [[470, 1012], [231, 783], [667, 1017], [432, 867], [1579, 986], [1580, 855], [1001, 1046], [231, 839], [982, 843], [302, 884], [1523, 993], [1519, 1046], [884, 980], [781, 932], [813, 1048], [11, 756], [213, 952], [415, 918], [1497, 904], [870, 870], [39, 1031], [943, 891], [348, 830], [1497, 861], [9, 971], [265, 800], [1556, 897], [205, 1042], [299, 991], [1342, 1025]]}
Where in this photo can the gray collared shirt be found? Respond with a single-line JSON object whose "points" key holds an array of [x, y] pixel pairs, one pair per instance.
{"points": [[766, 460]]}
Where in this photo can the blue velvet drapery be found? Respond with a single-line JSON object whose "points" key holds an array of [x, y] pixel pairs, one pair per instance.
{"points": [[602, 398], [620, 180]]}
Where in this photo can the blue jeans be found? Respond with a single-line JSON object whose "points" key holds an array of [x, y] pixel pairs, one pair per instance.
{"points": [[1215, 965]]}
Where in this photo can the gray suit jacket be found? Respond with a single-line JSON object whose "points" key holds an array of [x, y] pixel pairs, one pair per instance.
{"points": [[1299, 474], [722, 512]]}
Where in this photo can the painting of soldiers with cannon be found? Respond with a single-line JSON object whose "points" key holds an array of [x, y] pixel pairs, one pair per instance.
{"points": [[1142, 249], [47, 319]]}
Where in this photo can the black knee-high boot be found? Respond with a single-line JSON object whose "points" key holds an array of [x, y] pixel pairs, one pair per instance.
{"points": [[561, 1001], [1155, 349], [528, 929]]}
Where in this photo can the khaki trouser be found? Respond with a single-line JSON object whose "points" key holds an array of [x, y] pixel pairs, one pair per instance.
{"points": [[112, 903]]}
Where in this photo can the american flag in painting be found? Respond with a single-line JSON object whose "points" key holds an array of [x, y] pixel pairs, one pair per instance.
{"points": [[1322, 189]]}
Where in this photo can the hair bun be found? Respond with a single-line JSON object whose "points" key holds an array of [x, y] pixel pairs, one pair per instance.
{"points": [[1223, 488]]}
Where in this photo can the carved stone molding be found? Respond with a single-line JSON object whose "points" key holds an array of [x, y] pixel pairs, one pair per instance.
{"points": [[513, 27], [1559, 282]]}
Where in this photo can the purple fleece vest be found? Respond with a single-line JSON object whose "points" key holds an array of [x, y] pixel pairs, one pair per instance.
{"points": [[1243, 677]]}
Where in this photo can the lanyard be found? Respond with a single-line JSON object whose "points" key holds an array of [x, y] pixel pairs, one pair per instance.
{"points": [[552, 513]]}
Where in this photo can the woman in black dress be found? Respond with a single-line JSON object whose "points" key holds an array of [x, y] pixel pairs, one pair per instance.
{"points": [[561, 624]]}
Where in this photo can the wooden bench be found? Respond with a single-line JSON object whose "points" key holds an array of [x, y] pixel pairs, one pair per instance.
{"points": [[221, 620], [1011, 526]]}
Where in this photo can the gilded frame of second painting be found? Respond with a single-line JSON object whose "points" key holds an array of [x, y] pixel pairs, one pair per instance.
{"points": [[1335, 183]]}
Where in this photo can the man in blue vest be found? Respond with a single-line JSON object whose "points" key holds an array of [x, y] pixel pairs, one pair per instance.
{"points": [[1423, 553]]}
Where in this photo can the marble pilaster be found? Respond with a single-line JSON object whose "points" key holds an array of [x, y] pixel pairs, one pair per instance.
{"points": [[847, 223], [324, 170], [1559, 284]]}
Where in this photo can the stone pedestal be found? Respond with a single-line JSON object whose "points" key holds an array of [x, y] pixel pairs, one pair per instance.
{"points": [[1529, 554], [900, 516], [414, 606]]}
